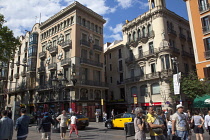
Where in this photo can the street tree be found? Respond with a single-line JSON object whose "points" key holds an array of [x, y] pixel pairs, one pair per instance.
{"points": [[8, 43], [191, 86]]}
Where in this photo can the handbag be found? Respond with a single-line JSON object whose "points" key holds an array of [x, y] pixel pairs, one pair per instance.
{"points": [[157, 130], [192, 125]]}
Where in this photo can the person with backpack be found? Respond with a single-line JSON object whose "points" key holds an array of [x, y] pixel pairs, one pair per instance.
{"points": [[156, 127], [198, 125], [180, 126], [139, 124]]}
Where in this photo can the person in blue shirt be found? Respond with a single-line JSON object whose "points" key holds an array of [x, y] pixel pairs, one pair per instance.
{"points": [[22, 124], [6, 126]]}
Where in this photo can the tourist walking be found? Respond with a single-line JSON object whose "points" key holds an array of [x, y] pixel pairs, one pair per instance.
{"points": [[207, 122], [198, 122], [22, 124], [112, 113], [97, 116], [139, 124], [156, 127], [104, 116], [180, 126], [73, 125], [63, 123], [6, 126], [45, 126]]}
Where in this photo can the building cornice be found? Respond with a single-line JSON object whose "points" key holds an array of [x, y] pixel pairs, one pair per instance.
{"points": [[152, 14], [72, 7]]}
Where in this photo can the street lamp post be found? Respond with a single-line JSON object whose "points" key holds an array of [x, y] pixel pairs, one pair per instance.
{"points": [[175, 62]]}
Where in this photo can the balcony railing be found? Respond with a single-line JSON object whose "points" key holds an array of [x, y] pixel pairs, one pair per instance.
{"points": [[97, 47], [42, 54], [41, 69], [24, 60], [204, 8], [182, 36], [44, 87], [23, 74], [171, 32], [53, 49], [91, 62], [52, 66], [187, 54], [206, 29], [66, 44], [207, 54], [85, 43], [92, 83], [16, 76], [66, 62]]}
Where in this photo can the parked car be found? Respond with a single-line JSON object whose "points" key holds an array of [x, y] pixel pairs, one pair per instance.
{"points": [[119, 120], [82, 121]]}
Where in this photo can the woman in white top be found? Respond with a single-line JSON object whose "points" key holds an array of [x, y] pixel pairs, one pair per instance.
{"points": [[198, 122], [73, 125]]}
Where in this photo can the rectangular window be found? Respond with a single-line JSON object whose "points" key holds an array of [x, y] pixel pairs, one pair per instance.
{"points": [[167, 61], [151, 48], [141, 70], [207, 44], [153, 69], [206, 24], [121, 77], [206, 72], [97, 42], [186, 67], [110, 67], [203, 5], [110, 79], [120, 65], [119, 53], [66, 73], [84, 54], [97, 57], [84, 37], [140, 52], [162, 62], [132, 73], [67, 37], [97, 76], [122, 93], [110, 56]]}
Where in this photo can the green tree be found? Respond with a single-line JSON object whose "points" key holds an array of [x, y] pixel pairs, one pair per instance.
{"points": [[191, 86], [8, 43]]}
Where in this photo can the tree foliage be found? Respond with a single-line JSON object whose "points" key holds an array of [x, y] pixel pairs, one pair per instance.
{"points": [[8, 43], [191, 86]]}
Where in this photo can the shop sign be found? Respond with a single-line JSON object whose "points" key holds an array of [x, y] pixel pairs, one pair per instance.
{"points": [[135, 100]]}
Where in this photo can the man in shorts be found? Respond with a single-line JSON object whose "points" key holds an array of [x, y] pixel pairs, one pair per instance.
{"points": [[63, 123]]}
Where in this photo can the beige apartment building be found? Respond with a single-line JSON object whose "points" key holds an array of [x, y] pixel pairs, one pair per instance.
{"points": [[71, 43], [64, 57], [141, 65]]}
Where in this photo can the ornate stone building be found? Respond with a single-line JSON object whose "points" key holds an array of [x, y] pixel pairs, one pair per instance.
{"points": [[150, 41]]}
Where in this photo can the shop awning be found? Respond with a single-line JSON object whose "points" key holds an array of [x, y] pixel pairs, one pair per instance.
{"points": [[201, 102]]}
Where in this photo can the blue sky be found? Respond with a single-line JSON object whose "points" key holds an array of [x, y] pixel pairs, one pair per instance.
{"points": [[26, 12]]}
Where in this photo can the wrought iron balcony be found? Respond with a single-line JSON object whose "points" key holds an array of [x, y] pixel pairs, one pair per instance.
{"points": [[11, 78], [23, 74], [84, 43], [53, 49], [52, 66], [16, 76], [92, 83], [207, 54], [97, 47], [41, 69], [91, 62], [206, 29], [66, 44], [66, 62], [204, 7], [42, 55], [171, 32], [44, 87], [182, 36], [24, 60]]}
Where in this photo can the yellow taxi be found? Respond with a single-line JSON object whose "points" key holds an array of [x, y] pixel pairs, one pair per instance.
{"points": [[119, 120], [82, 121]]}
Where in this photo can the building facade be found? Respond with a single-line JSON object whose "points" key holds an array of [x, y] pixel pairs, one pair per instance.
{"points": [[198, 13], [150, 41]]}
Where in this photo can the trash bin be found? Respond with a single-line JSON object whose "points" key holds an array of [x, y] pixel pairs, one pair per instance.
{"points": [[129, 129]]}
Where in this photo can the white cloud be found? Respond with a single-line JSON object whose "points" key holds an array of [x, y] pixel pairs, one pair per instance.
{"points": [[116, 36], [20, 14], [143, 5], [107, 21], [125, 3], [117, 29]]}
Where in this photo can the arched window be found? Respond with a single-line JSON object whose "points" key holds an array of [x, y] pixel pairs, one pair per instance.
{"points": [[133, 90], [139, 33], [84, 94], [149, 27], [144, 32], [155, 88], [134, 36], [129, 38]]}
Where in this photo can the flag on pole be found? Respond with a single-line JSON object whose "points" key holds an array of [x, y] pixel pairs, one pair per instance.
{"points": [[176, 82]]}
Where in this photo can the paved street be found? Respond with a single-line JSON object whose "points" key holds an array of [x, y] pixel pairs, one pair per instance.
{"points": [[95, 131]]}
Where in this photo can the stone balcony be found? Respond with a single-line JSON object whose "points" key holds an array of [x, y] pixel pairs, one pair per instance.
{"points": [[65, 62], [52, 66], [66, 44], [53, 50], [98, 48], [91, 62], [42, 55]]}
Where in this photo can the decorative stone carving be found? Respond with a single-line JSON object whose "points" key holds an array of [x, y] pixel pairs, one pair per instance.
{"points": [[60, 55], [49, 45], [48, 60], [60, 39]]}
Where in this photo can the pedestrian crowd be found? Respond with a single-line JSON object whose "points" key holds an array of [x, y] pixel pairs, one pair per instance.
{"points": [[166, 125]]}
